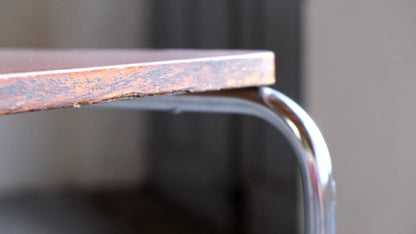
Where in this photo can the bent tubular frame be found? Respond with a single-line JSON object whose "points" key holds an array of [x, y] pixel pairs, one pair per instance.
{"points": [[285, 115]]}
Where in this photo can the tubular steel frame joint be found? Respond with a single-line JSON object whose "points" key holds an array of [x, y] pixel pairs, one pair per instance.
{"points": [[286, 116]]}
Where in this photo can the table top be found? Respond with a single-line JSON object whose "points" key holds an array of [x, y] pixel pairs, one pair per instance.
{"points": [[33, 79]]}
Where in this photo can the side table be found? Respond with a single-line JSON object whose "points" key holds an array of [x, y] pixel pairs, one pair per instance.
{"points": [[225, 81]]}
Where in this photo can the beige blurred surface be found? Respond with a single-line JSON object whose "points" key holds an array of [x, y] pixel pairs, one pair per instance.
{"points": [[66, 148], [360, 88]]}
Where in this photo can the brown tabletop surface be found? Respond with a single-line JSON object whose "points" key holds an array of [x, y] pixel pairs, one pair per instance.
{"points": [[33, 80]]}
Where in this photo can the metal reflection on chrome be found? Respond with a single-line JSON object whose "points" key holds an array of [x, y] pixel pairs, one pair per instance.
{"points": [[285, 115]]}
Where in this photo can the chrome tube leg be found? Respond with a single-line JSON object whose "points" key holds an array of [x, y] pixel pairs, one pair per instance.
{"points": [[313, 158], [288, 117]]}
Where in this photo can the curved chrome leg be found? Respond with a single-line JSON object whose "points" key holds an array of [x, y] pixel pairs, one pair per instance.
{"points": [[313, 158], [288, 117]]}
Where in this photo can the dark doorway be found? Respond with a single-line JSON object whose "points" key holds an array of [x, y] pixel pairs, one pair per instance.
{"points": [[232, 170]]}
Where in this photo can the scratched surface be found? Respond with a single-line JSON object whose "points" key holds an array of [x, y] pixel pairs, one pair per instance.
{"points": [[33, 80]]}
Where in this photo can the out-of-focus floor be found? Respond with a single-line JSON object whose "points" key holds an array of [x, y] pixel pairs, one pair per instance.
{"points": [[130, 211]]}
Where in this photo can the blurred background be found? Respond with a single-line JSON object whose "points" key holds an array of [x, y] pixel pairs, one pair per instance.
{"points": [[351, 64]]}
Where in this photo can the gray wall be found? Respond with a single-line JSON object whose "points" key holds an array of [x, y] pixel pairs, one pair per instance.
{"points": [[360, 88], [55, 149]]}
